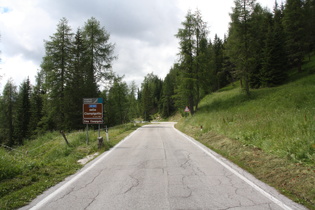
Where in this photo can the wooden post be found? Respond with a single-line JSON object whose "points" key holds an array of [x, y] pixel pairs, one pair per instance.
{"points": [[87, 134], [65, 138]]}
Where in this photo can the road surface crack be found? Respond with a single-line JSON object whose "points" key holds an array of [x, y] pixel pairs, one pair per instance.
{"points": [[92, 201], [133, 185]]}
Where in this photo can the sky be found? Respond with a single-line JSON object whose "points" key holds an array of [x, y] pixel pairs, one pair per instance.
{"points": [[143, 31]]}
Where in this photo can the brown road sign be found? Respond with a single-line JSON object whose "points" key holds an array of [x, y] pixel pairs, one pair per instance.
{"points": [[92, 112]]}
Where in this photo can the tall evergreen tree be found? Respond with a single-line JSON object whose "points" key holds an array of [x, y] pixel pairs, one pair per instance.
{"points": [[274, 62], [23, 114], [221, 75], [133, 110], [239, 41], [200, 33], [36, 100], [309, 9], [259, 21], [294, 25], [190, 37], [8, 112], [151, 91], [56, 65], [168, 91], [118, 102], [75, 90], [100, 54]]}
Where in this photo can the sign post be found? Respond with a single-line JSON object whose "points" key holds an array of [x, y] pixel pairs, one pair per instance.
{"points": [[92, 113]]}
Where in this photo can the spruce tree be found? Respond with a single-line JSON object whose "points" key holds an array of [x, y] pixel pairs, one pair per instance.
{"points": [[23, 113], [240, 40], [56, 65], [190, 38], [75, 90], [274, 65], [167, 100], [294, 25], [118, 102], [9, 98], [37, 103], [309, 20]]}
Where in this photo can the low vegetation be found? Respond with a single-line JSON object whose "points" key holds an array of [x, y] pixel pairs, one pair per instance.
{"points": [[28, 170], [271, 134]]}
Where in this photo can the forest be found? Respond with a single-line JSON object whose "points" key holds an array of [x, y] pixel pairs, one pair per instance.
{"points": [[261, 46]]}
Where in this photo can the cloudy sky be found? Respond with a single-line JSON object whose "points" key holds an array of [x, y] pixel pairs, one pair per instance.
{"points": [[142, 30]]}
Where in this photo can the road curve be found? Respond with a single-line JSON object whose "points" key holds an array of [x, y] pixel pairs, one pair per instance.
{"points": [[158, 167]]}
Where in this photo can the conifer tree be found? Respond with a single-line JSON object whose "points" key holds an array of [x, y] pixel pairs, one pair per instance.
{"points": [[9, 97], [274, 64], [23, 113], [75, 90], [190, 37], [56, 65], [239, 41], [99, 56], [133, 107], [151, 91], [168, 91], [118, 102], [294, 25], [37, 103], [309, 8]]}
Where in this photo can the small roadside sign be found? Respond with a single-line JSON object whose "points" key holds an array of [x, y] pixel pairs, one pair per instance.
{"points": [[187, 109], [93, 111]]}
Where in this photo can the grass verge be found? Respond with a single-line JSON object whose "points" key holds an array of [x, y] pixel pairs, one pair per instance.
{"points": [[271, 134], [29, 170]]}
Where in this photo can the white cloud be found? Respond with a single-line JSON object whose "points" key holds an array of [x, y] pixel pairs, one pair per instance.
{"points": [[18, 69], [142, 30]]}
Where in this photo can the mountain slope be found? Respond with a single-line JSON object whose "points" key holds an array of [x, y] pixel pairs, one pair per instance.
{"points": [[271, 134]]}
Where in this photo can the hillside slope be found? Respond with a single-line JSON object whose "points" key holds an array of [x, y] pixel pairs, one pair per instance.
{"points": [[271, 134]]}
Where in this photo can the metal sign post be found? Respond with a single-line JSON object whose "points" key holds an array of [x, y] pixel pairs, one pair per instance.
{"points": [[87, 133]]}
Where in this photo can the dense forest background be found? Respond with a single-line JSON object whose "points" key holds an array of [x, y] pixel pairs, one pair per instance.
{"points": [[259, 49]]}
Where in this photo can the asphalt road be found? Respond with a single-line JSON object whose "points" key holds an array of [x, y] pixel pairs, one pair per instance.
{"points": [[158, 167]]}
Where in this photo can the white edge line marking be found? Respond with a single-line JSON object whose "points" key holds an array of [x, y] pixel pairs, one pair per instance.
{"points": [[256, 187], [61, 188]]}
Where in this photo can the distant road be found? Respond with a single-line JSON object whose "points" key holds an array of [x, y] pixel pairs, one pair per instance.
{"points": [[158, 167]]}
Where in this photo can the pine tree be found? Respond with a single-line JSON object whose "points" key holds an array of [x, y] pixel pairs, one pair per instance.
{"points": [[36, 100], [167, 100], [8, 111], [239, 41], [218, 71], [190, 37], [151, 92], [75, 90], [259, 21], [118, 102], [274, 63], [200, 33], [56, 65], [309, 20], [133, 110], [99, 55], [23, 114], [294, 25]]}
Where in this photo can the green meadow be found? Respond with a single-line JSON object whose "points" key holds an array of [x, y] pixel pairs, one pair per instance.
{"points": [[271, 133]]}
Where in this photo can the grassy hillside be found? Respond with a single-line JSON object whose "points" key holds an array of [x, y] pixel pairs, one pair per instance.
{"points": [[277, 123], [27, 171]]}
